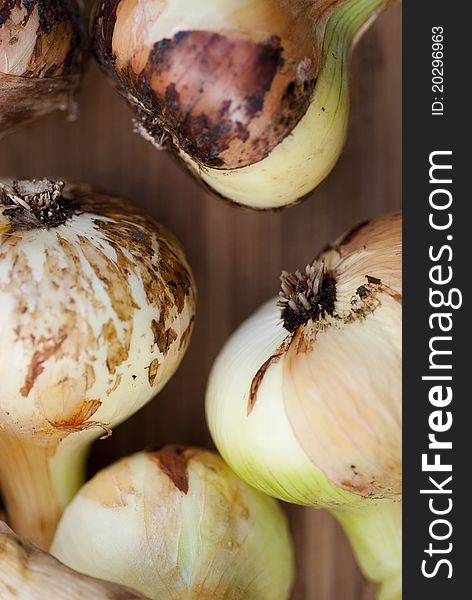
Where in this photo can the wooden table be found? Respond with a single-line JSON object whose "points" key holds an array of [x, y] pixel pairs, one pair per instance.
{"points": [[236, 255]]}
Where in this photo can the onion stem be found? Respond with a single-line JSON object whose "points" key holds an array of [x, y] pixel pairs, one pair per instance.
{"points": [[39, 478], [375, 534]]}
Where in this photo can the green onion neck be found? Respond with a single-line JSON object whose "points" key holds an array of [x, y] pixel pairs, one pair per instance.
{"points": [[38, 479], [343, 29], [357, 13], [346, 26], [375, 533]]}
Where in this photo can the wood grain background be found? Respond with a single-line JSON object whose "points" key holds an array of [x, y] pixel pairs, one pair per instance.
{"points": [[236, 254]]}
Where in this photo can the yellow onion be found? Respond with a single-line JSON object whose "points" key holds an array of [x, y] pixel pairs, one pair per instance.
{"points": [[97, 311], [304, 400], [42, 54], [251, 95], [28, 573], [178, 525]]}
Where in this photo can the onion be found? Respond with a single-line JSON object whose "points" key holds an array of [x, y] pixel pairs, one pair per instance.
{"points": [[97, 311], [178, 524], [304, 400], [42, 54], [31, 574], [251, 95]]}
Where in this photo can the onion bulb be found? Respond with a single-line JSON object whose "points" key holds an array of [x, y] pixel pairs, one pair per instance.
{"points": [[178, 525], [42, 54], [251, 95], [97, 311], [304, 401], [28, 573]]}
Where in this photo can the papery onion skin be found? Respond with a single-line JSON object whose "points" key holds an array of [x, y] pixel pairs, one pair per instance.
{"points": [[175, 524], [28, 573], [243, 93], [312, 414], [43, 48], [98, 305]]}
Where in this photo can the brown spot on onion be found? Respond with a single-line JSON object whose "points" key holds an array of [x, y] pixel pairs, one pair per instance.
{"points": [[226, 97], [116, 384], [224, 100], [163, 337], [352, 486], [153, 370], [173, 461], [257, 380], [80, 420], [362, 291], [47, 349], [89, 376], [117, 352], [373, 280]]}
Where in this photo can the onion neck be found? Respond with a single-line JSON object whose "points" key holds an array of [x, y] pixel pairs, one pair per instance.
{"points": [[345, 27], [375, 533], [357, 13], [38, 479]]}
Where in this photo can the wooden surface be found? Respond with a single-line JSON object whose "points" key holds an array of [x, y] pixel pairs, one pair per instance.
{"points": [[236, 255]]}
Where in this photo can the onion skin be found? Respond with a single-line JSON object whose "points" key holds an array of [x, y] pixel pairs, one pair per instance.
{"points": [[98, 305], [28, 573], [305, 404], [42, 56], [249, 95], [178, 524]]}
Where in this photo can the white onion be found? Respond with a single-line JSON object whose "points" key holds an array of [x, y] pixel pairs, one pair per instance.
{"points": [[178, 524], [304, 400], [97, 310]]}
